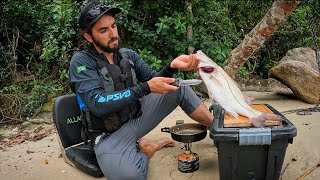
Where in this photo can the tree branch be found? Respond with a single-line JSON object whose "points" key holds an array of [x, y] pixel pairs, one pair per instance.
{"points": [[275, 17]]}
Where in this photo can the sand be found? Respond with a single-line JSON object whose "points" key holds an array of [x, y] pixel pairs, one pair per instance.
{"points": [[42, 159]]}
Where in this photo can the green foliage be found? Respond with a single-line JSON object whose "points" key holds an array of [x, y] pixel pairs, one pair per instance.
{"points": [[150, 59], [40, 95], [155, 26], [38, 38], [214, 33], [243, 72], [30, 96], [184, 75], [60, 35], [20, 30], [36, 48]]}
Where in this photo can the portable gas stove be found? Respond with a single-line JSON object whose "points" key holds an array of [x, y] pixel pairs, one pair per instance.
{"points": [[187, 133]]}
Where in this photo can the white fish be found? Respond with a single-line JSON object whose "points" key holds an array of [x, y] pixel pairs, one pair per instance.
{"points": [[226, 93]]}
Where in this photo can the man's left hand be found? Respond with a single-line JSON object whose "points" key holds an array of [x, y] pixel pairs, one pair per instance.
{"points": [[185, 62]]}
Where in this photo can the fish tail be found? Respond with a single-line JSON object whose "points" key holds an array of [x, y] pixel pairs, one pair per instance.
{"points": [[259, 121]]}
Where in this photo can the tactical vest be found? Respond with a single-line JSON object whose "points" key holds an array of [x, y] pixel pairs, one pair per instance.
{"points": [[114, 78]]}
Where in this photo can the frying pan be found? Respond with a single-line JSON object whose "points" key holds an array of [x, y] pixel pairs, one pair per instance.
{"points": [[187, 133]]}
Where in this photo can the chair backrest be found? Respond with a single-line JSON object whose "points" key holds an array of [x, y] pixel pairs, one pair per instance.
{"points": [[66, 115]]}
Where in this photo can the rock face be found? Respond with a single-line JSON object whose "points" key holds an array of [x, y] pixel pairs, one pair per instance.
{"points": [[299, 71], [263, 85]]}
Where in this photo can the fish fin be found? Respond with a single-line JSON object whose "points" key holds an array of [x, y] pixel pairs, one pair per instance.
{"points": [[215, 84], [233, 114], [200, 54], [260, 120], [216, 81], [230, 111], [248, 99], [210, 95]]}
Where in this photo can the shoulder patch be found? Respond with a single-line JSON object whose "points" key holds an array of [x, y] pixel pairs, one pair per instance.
{"points": [[81, 68]]}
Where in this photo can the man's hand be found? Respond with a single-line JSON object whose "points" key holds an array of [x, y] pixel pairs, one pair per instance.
{"points": [[185, 62], [161, 85]]}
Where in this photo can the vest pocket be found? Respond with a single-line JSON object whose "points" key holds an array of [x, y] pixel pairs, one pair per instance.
{"points": [[112, 122]]}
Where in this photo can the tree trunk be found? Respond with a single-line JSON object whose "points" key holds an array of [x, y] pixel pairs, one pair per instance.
{"points": [[190, 28], [275, 17]]}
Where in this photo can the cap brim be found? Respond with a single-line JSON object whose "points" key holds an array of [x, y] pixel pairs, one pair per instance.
{"points": [[113, 11]]}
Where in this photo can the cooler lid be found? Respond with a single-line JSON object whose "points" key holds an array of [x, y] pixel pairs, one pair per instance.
{"points": [[220, 132]]}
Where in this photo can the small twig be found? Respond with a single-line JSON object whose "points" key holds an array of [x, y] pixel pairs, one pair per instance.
{"points": [[254, 65], [10, 108], [139, 18], [284, 170], [309, 171], [144, 19], [11, 120]]}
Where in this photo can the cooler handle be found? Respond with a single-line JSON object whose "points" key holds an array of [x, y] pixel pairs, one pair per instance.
{"points": [[254, 136]]}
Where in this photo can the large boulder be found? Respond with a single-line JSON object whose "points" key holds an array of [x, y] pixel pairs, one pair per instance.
{"points": [[299, 71], [303, 54]]}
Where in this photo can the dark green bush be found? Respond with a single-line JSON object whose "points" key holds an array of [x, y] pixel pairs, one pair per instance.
{"points": [[38, 38]]}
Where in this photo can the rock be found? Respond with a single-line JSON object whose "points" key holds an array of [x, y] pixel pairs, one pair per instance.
{"points": [[48, 106], [263, 85], [303, 54], [300, 77], [39, 121], [16, 129]]}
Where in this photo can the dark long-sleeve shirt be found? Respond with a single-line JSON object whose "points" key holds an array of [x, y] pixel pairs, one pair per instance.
{"points": [[84, 76]]}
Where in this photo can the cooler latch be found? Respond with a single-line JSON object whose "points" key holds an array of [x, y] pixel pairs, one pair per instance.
{"points": [[255, 136]]}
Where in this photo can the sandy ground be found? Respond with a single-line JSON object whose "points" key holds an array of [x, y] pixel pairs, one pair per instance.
{"points": [[42, 160]]}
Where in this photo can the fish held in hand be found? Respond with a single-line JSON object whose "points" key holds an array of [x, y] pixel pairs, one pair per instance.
{"points": [[224, 90]]}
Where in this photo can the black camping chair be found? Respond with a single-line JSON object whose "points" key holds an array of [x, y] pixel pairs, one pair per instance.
{"points": [[66, 115]]}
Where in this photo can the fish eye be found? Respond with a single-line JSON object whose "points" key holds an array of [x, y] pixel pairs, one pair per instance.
{"points": [[207, 69]]}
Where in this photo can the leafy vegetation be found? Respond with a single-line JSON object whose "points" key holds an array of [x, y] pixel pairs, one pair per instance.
{"points": [[38, 38]]}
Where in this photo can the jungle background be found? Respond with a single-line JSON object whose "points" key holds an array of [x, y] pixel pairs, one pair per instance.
{"points": [[38, 39]]}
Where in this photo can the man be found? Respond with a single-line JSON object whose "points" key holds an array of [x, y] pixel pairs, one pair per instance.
{"points": [[119, 111]]}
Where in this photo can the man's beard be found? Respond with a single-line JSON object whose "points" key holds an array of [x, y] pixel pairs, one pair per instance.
{"points": [[105, 48]]}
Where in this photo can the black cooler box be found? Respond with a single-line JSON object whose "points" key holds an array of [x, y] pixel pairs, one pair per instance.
{"points": [[248, 152]]}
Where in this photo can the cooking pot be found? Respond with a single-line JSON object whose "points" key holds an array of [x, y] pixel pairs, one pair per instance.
{"points": [[187, 133]]}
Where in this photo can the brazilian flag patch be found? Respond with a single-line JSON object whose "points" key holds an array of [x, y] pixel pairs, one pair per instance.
{"points": [[81, 68]]}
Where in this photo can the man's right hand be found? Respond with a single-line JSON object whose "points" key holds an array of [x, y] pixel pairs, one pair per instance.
{"points": [[161, 85]]}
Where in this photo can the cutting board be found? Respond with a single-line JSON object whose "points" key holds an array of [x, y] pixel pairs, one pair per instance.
{"points": [[242, 121]]}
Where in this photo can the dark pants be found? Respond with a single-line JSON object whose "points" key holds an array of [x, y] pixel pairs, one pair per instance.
{"points": [[117, 154]]}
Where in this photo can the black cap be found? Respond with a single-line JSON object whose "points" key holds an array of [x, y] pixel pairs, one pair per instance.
{"points": [[93, 11]]}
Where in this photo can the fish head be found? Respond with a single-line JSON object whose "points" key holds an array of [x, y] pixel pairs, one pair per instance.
{"points": [[207, 68], [209, 73]]}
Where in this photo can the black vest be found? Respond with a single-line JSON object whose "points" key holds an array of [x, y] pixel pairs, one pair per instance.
{"points": [[114, 77]]}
